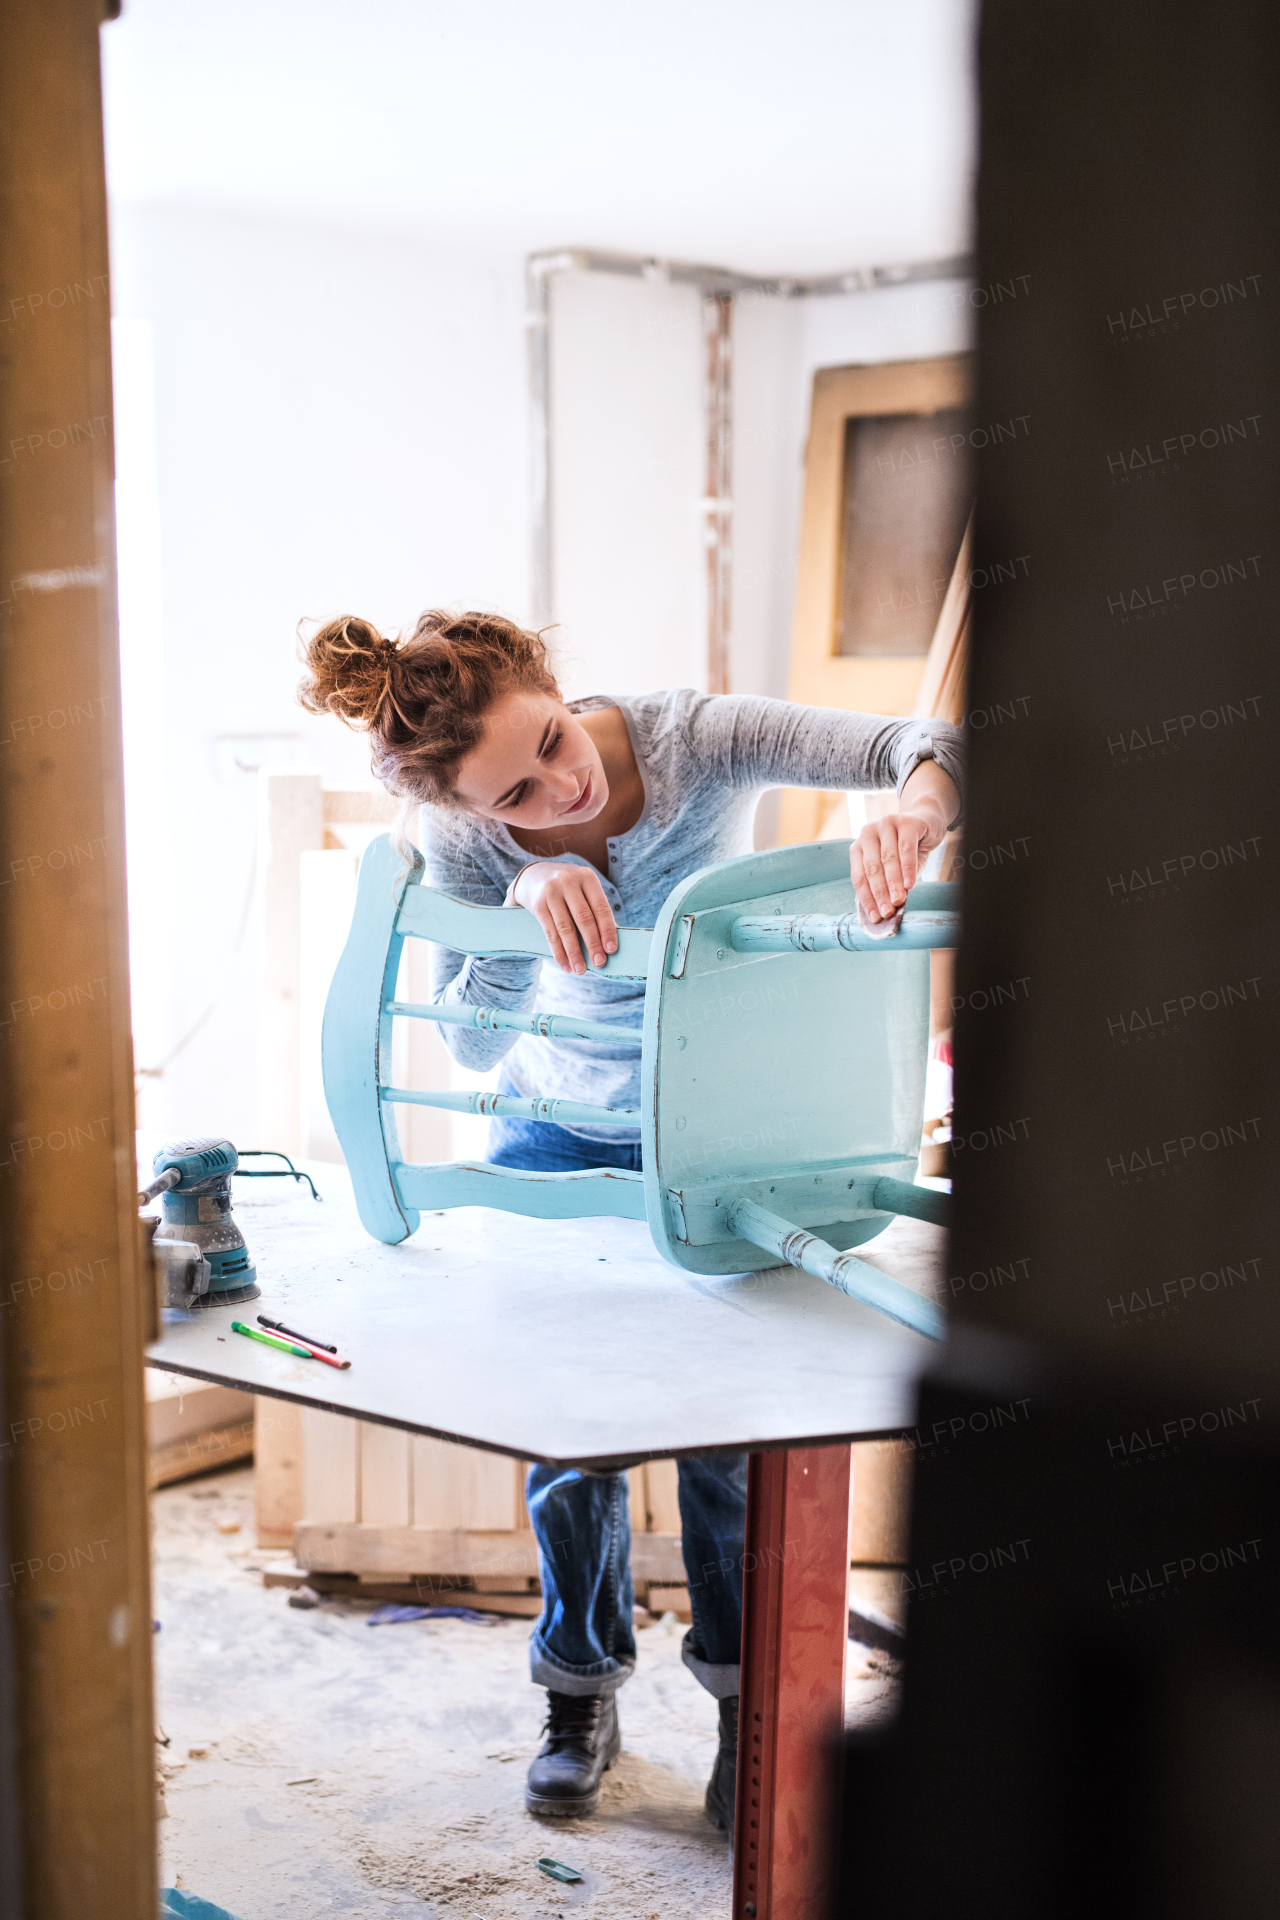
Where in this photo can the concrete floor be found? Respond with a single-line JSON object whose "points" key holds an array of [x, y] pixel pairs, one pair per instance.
{"points": [[317, 1766]]}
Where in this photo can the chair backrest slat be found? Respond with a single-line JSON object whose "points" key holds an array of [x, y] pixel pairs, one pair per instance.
{"points": [[488, 932]]}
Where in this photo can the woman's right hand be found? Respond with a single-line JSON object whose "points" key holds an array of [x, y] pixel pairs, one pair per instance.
{"points": [[569, 904]]}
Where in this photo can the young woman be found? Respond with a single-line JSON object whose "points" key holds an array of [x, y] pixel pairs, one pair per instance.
{"points": [[588, 813]]}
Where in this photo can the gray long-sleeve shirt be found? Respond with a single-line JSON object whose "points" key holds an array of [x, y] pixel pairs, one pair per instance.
{"points": [[704, 761]]}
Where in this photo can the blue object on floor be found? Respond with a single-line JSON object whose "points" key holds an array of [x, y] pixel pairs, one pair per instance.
{"points": [[557, 1870], [391, 1616], [177, 1905]]}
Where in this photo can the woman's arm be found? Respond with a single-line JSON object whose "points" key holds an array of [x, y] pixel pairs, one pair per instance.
{"points": [[761, 743], [460, 979], [746, 741]]}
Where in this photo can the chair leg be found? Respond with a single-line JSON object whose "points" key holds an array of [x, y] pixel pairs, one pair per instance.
{"points": [[843, 1271]]}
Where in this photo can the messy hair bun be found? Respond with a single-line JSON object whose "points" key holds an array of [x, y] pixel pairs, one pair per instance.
{"points": [[421, 700]]}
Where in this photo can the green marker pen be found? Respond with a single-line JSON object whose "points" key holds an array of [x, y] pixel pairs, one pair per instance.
{"points": [[281, 1346]]}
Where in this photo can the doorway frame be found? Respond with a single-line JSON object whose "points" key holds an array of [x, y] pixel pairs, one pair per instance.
{"points": [[819, 676]]}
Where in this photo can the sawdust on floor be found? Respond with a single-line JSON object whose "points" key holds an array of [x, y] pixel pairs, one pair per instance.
{"points": [[316, 1766]]}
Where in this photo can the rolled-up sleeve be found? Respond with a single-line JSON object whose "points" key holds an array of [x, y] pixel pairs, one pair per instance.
{"points": [[936, 740]]}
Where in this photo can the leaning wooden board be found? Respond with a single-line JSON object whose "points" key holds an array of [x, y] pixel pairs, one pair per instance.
{"points": [[570, 1341]]}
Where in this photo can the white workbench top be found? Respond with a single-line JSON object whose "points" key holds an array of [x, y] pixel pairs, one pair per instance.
{"points": [[556, 1340]]}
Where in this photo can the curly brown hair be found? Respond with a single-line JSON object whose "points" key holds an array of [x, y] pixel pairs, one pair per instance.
{"points": [[421, 700]]}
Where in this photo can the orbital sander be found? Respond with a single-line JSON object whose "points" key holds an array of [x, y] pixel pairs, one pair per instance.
{"points": [[205, 1260]]}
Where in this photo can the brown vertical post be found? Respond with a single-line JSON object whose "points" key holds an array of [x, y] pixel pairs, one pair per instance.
{"points": [[717, 320], [795, 1622], [74, 1310]]}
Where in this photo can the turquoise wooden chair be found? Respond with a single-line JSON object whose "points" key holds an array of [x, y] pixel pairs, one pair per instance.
{"points": [[782, 1068]]}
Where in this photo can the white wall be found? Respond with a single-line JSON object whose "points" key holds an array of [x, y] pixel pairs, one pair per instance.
{"points": [[770, 423], [629, 459], [340, 424], [627, 466]]}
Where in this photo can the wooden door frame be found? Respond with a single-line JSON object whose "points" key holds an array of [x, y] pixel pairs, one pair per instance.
{"points": [[820, 677], [77, 1308]]}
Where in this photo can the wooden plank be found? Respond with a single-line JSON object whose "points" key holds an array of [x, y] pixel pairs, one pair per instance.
{"points": [[522, 1605], [492, 1490], [437, 1485], [942, 694], [658, 1557], [422, 1592], [458, 1487], [403, 1551], [662, 1496], [942, 684], [347, 1547], [455, 1487], [513, 1606], [330, 1466], [326, 902], [385, 1476], [77, 1823], [178, 1409], [638, 1499], [290, 822], [199, 1453], [669, 1599], [176, 1415], [277, 1469], [881, 1502]]}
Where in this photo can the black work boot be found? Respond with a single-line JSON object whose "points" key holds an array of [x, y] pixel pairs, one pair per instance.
{"points": [[722, 1789], [582, 1742]]}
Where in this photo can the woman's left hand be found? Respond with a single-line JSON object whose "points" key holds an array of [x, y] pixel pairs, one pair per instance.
{"points": [[885, 861], [886, 857]]}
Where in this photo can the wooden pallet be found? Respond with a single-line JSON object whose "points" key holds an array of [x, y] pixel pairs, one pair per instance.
{"points": [[393, 1509], [353, 1497]]}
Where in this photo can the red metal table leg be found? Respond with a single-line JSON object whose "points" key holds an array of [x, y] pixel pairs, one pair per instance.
{"points": [[795, 1625]]}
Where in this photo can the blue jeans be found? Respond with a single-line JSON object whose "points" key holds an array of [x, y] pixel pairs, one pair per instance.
{"points": [[584, 1641]]}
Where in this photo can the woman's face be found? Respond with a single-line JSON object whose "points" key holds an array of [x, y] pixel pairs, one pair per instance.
{"points": [[535, 767]]}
